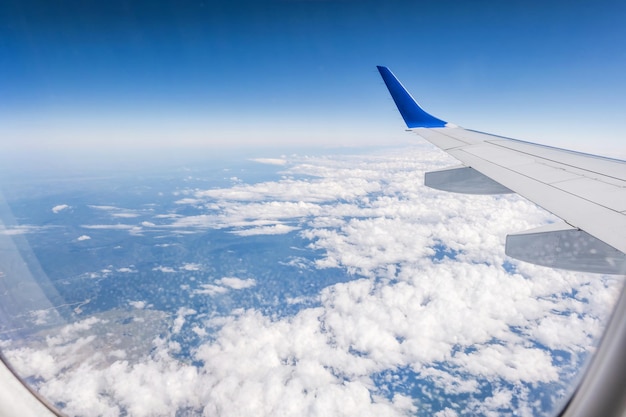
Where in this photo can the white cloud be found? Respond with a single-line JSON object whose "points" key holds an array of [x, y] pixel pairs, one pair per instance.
{"points": [[20, 229], [223, 285], [295, 190], [125, 215], [277, 229], [40, 316], [83, 237], [179, 321], [199, 331], [108, 226], [191, 201], [210, 289], [236, 283], [138, 304], [457, 322], [59, 208], [120, 212], [165, 269], [190, 267], [167, 216], [202, 221], [270, 161], [105, 208]]}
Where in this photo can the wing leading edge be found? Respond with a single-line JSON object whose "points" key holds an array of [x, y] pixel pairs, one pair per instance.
{"points": [[587, 191]]}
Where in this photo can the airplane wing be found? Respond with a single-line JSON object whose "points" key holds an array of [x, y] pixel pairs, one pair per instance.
{"points": [[588, 192]]}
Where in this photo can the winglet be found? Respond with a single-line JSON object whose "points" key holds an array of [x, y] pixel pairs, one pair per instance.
{"points": [[412, 113]]}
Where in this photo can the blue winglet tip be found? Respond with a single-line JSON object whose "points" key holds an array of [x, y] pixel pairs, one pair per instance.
{"points": [[412, 113]]}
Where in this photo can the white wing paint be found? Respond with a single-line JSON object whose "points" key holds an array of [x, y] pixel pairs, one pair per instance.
{"points": [[587, 191]]}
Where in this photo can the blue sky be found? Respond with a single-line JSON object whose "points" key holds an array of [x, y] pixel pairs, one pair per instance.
{"points": [[162, 74]]}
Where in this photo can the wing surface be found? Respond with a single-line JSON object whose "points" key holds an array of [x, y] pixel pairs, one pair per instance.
{"points": [[588, 192]]}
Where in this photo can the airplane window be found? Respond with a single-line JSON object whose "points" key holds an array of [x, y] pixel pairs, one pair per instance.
{"points": [[286, 282], [188, 227]]}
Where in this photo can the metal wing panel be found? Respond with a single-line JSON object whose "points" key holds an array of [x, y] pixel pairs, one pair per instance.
{"points": [[450, 135], [607, 195], [581, 198], [504, 156], [594, 164], [549, 174]]}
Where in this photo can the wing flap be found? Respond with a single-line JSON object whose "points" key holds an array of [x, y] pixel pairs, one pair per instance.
{"points": [[463, 180], [562, 246]]}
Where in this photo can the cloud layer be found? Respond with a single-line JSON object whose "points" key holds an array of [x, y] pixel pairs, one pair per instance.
{"points": [[435, 319]]}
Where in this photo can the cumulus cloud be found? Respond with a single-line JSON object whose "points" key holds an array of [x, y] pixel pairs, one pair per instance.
{"points": [[179, 321], [223, 285], [210, 289], [59, 208], [295, 190], [277, 229], [138, 304], [83, 237], [432, 301], [236, 283], [165, 269], [191, 267]]}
